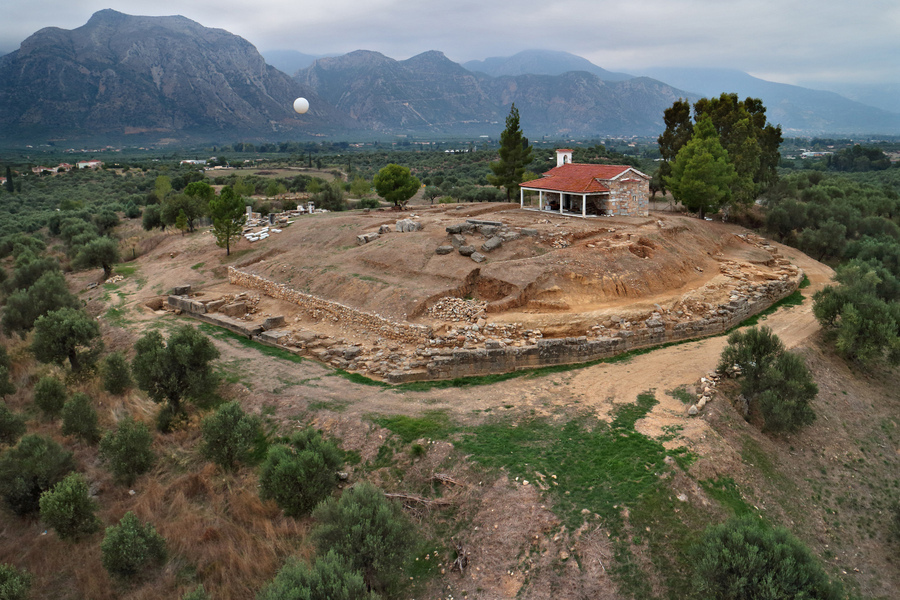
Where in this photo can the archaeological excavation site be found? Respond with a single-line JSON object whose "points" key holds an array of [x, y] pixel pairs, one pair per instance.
{"points": [[447, 291]]}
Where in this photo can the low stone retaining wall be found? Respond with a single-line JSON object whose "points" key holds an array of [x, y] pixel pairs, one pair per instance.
{"points": [[496, 359], [401, 332]]}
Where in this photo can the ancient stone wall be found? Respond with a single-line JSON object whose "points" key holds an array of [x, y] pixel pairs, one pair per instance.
{"points": [[506, 347], [318, 308], [497, 358]]}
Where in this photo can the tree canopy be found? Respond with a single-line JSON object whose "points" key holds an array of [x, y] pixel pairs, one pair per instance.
{"points": [[702, 176], [752, 144], [396, 184], [67, 334], [177, 368], [515, 154], [228, 214]]}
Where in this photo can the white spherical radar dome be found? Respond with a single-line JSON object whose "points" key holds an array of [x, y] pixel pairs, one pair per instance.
{"points": [[301, 105]]}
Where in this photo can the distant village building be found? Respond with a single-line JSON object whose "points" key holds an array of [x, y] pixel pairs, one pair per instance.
{"points": [[193, 162], [590, 190], [89, 164]]}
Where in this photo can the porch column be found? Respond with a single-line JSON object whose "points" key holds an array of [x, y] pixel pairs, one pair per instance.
{"points": [[561, 199], [540, 199], [584, 205], [521, 198]]}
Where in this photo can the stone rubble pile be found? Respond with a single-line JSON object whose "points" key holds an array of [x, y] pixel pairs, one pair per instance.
{"points": [[457, 309]]}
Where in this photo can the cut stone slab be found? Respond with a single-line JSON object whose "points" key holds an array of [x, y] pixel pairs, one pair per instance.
{"points": [[273, 322], [467, 250], [444, 250], [492, 244], [478, 257], [181, 290], [457, 240], [235, 309], [365, 238], [407, 225]]}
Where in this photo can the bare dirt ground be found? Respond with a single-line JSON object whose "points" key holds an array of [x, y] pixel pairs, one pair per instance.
{"points": [[513, 519]]}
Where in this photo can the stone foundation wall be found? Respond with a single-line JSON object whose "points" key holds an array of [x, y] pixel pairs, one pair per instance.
{"points": [[317, 307], [496, 358]]}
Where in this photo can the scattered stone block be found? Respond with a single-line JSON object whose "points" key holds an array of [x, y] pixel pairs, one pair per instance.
{"points": [[529, 232], [181, 290], [492, 244], [235, 309], [365, 238], [273, 322], [467, 250], [441, 250], [407, 225], [457, 240], [384, 229], [478, 257], [215, 305]]}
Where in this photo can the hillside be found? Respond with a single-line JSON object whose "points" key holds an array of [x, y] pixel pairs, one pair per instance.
{"points": [[122, 76], [534, 479]]}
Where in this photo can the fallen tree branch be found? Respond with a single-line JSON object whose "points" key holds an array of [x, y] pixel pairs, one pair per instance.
{"points": [[413, 499], [444, 478]]}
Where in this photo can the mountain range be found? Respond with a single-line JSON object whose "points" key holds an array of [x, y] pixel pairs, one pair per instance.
{"points": [[122, 77]]}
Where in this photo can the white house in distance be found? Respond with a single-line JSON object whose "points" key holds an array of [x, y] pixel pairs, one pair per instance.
{"points": [[590, 190]]}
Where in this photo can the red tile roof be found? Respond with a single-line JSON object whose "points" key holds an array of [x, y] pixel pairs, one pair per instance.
{"points": [[575, 178]]}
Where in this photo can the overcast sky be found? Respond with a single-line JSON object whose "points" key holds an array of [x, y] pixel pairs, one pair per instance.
{"points": [[801, 42]]}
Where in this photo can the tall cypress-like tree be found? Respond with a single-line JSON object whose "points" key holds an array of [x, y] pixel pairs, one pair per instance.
{"points": [[702, 175], [10, 186], [515, 154], [228, 214]]}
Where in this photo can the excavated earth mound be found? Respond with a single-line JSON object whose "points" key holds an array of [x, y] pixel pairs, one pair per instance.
{"points": [[464, 276]]}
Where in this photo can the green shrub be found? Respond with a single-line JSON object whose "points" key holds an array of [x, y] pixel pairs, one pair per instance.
{"points": [[371, 533], [743, 558], [789, 389], [68, 508], [330, 577], [368, 203], [774, 379], [300, 474], [50, 395], [116, 374], [130, 547], [12, 426], [6, 386], [127, 451], [753, 350], [14, 584], [229, 435], [31, 468], [80, 419]]}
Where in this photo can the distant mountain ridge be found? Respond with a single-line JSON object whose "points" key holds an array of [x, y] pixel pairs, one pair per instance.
{"points": [[541, 62], [798, 109], [429, 92], [121, 75], [169, 78]]}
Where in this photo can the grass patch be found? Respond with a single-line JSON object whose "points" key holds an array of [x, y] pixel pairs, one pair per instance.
{"points": [[125, 270], [435, 424], [586, 463], [332, 405], [225, 334], [725, 490], [681, 393], [199, 265]]}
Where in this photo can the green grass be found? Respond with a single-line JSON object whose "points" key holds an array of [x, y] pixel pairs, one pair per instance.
{"points": [[222, 333], [332, 405], [199, 265], [435, 424], [681, 393], [125, 270], [725, 490]]}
